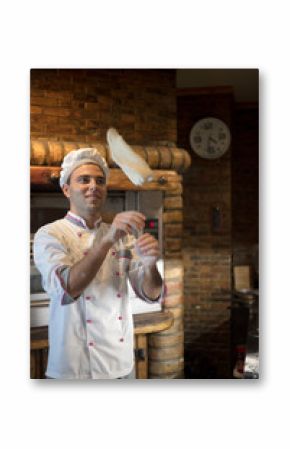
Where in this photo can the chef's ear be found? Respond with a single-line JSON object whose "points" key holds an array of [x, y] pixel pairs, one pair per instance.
{"points": [[66, 190]]}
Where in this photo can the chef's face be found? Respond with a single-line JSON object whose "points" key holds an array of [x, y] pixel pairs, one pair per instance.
{"points": [[86, 190]]}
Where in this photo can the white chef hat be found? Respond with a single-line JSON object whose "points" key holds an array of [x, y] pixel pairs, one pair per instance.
{"points": [[83, 156]]}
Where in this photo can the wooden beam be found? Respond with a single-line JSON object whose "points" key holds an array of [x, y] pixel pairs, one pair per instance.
{"points": [[47, 178]]}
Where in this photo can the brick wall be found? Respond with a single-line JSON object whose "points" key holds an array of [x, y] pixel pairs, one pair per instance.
{"points": [[245, 184], [74, 105], [206, 253]]}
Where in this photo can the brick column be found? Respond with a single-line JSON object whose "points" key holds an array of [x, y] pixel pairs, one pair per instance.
{"points": [[166, 351]]}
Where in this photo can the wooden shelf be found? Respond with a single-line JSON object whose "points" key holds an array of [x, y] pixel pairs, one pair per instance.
{"points": [[147, 323], [144, 323]]}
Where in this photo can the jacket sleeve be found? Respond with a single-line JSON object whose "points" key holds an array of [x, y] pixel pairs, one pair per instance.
{"points": [[53, 261], [136, 278]]}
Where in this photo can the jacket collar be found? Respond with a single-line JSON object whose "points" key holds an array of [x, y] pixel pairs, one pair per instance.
{"points": [[79, 221]]}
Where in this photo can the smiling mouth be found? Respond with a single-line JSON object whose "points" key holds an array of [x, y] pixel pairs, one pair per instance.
{"points": [[94, 196]]}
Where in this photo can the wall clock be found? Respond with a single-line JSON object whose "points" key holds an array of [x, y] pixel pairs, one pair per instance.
{"points": [[210, 138]]}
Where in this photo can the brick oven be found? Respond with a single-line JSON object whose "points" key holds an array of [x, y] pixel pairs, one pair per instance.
{"points": [[74, 108]]}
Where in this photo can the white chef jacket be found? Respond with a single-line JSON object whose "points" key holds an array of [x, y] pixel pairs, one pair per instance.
{"points": [[90, 337]]}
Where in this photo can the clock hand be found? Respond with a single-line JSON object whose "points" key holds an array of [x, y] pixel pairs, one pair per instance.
{"points": [[212, 139]]}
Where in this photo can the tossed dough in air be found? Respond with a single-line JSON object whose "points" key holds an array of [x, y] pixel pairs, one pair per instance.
{"points": [[137, 170]]}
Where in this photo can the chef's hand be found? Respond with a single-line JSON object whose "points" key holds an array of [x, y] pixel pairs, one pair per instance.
{"points": [[148, 250], [130, 222]]}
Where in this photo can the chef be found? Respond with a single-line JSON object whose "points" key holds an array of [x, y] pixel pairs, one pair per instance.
{"points": [[85, 266]]}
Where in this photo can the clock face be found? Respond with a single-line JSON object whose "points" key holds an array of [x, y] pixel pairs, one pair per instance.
{"points": [[210, 138]]}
